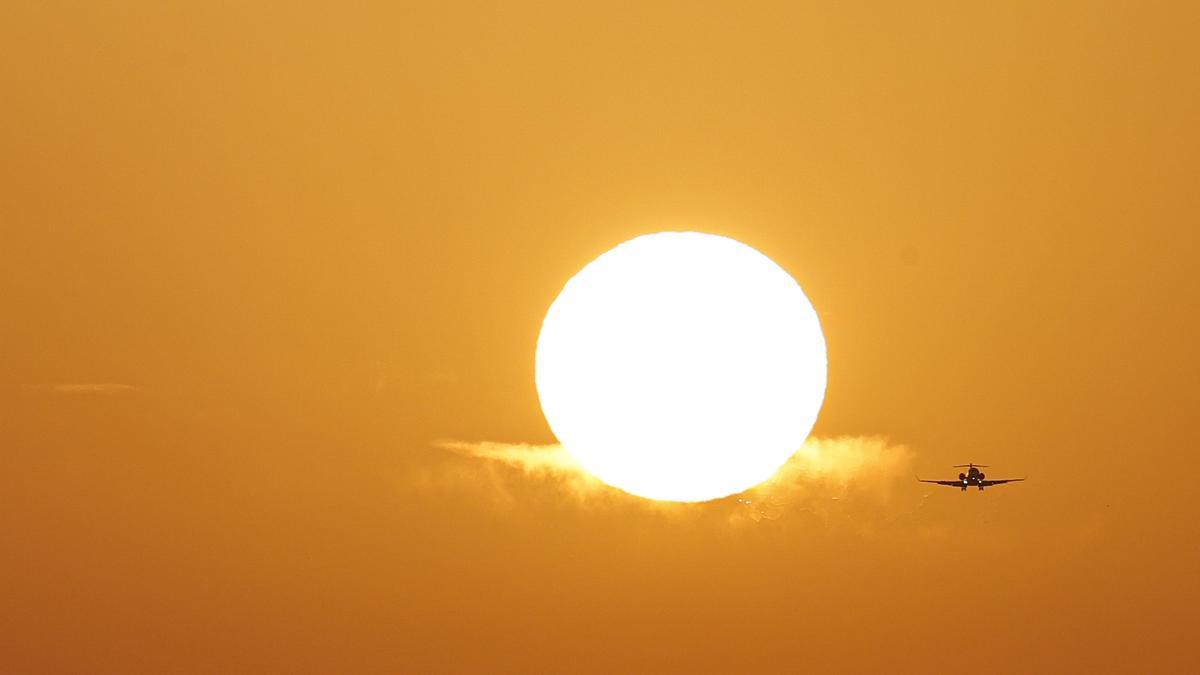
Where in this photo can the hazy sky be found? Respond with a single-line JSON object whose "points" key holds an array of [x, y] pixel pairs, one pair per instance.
{"points": [[271, 275]]}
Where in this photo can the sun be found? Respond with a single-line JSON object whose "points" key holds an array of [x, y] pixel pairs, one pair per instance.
{"points": [[681, 366]]}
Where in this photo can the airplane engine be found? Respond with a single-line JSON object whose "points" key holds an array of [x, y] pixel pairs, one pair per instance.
{"points": [[962, 476], [981, 475]]}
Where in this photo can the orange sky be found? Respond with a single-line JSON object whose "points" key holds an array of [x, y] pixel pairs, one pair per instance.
{"points": [[310, 242]]}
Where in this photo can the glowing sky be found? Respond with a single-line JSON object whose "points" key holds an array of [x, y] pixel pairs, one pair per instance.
{"points": [[272, 276]]}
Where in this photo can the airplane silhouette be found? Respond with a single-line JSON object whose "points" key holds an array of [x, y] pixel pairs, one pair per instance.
{"points": [[972, 478]]}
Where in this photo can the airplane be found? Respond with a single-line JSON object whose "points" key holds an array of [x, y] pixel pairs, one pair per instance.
{"points": [[973, 477]]}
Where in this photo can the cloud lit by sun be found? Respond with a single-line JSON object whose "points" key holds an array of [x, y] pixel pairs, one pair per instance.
{"points": [[822, 477]]}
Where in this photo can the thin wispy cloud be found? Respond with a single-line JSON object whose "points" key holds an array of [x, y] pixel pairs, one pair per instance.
{"points": [[492, 468], [822, 480], [109, 388], [539, 461]]}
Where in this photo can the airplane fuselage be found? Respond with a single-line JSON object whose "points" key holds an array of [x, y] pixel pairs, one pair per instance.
{"points": [[972, 478]]}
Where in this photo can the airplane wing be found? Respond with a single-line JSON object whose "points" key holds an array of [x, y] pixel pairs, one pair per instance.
{"points": [[949, 483], [1002, 481]]}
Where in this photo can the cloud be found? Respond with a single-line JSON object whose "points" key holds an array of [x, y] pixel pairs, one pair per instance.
{"points": [[538, 461], [843, 466], [108, 388], [495, 465], [826, 480], [850, 481]]}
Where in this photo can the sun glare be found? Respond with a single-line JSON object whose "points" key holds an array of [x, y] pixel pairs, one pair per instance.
{"points": [[681, 366]]}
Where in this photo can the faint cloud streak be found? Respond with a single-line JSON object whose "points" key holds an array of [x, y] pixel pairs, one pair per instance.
{"points": [[500, 462], [108, 388]]}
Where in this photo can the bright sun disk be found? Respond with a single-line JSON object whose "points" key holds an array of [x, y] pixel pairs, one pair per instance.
{"points": [[681, 366]]}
